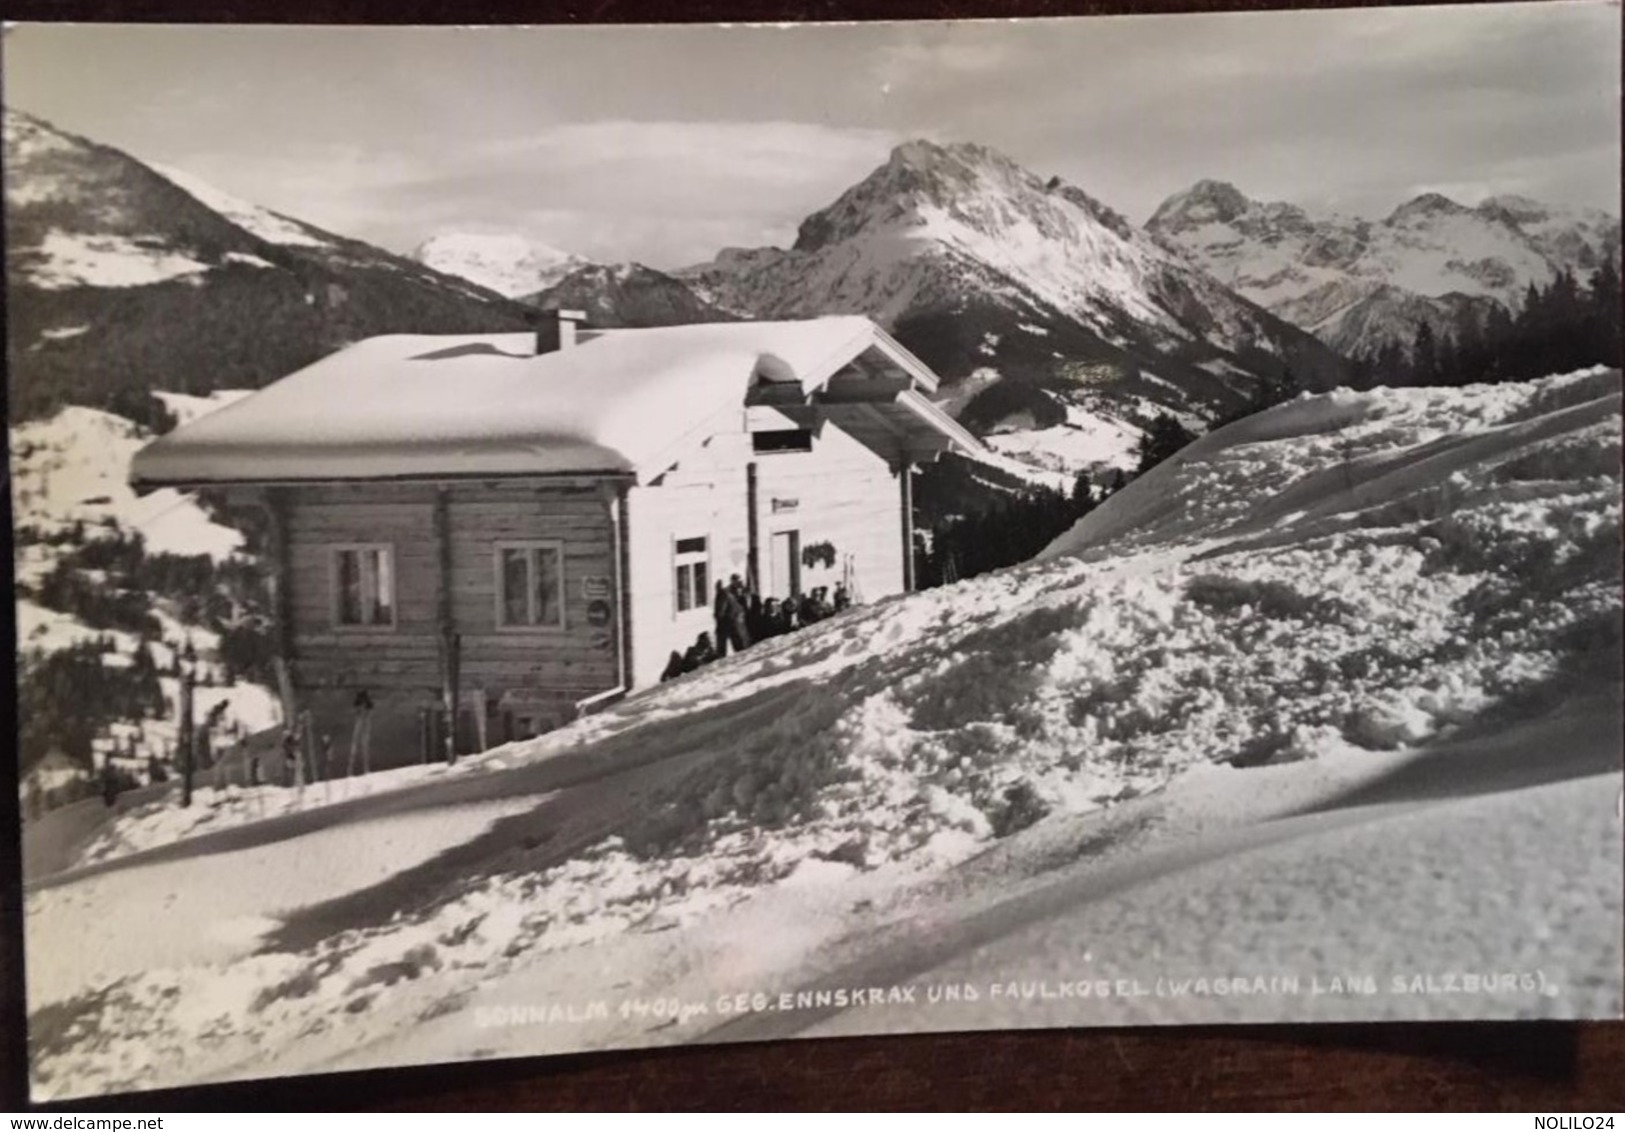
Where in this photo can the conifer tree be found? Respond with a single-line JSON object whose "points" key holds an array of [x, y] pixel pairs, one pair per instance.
{"points": [[1162, 439]]}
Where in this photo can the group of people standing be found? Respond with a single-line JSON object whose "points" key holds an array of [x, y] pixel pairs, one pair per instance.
{"points": [[744, 617]]}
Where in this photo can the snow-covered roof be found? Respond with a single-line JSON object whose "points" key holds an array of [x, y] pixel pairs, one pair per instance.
{"points": [[619, 401]]}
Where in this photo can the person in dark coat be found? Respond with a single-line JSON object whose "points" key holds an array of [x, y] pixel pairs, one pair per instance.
{"points": [[674, 667], [699, 654], [843, 600], [754, 621], [738, 616], [722, 614]]}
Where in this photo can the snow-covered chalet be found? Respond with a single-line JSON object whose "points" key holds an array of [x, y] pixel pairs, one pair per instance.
{"points": [[528, 524]]}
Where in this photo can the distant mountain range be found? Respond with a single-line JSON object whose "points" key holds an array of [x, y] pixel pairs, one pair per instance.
{"points": [[1060, 328], [1357, 283], [122, 278], [1042, 307], [627, 294], [508, 264]]}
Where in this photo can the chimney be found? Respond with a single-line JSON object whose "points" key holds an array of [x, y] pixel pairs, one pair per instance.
{"points": [[557, 330]]}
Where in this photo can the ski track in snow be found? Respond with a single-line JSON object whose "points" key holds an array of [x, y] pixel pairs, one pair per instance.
{"points": [[1328, 588]]}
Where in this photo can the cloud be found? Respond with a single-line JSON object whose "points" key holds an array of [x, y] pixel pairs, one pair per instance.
{"points": [[337, 187], [943, 50], [661, 144], [662, 192], [781, 154]]}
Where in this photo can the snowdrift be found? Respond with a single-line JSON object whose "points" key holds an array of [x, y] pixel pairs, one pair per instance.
{"points": [[1364, 570], [1328, 585]]}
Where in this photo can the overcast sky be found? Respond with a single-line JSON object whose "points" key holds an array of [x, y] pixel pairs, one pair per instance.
{"points": [[664, 144]]}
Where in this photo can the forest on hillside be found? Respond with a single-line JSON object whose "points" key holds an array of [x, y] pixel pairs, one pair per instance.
{"points": [[1563, 327]]}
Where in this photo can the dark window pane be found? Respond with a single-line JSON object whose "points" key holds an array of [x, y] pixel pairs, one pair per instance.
{"points": [[782, 440], [514, 581], [701, 585], [691, 546], [349, 588]]}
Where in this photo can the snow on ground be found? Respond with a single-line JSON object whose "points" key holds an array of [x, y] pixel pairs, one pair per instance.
{"points": [[183, 896], [1318, 598], [50, 631], [74, 259], [60, 334], [70, 477], [225, 800], [1023, 469], [1090, 440], [74, 468], [1285, 930]]}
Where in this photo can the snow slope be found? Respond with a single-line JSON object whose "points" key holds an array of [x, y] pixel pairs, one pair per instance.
{"points": [[1393, 591], [70, 484], [270, 226], [74, 468]]}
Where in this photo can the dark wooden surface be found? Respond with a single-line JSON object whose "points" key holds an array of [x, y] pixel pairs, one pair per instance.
{"points": [[1558, 1068], [1542, 1067]]}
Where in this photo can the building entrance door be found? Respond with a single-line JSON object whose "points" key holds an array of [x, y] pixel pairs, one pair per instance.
{"points": [[786, 565]]}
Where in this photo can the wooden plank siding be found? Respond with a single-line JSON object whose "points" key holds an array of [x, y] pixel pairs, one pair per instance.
{"points": [[844, 491], [401, 665]]}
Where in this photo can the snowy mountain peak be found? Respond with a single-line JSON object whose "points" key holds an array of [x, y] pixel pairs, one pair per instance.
{"points": [[1025, 293], [1357, 283], [1205, 202], [946, 158], [1514, 207], [626, 294], [506, 263], [1425, 207], [919, 180]]}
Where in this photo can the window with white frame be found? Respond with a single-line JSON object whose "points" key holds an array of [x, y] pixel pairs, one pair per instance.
{"points": [[691, 558], [530, 585], [364, 586]]}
